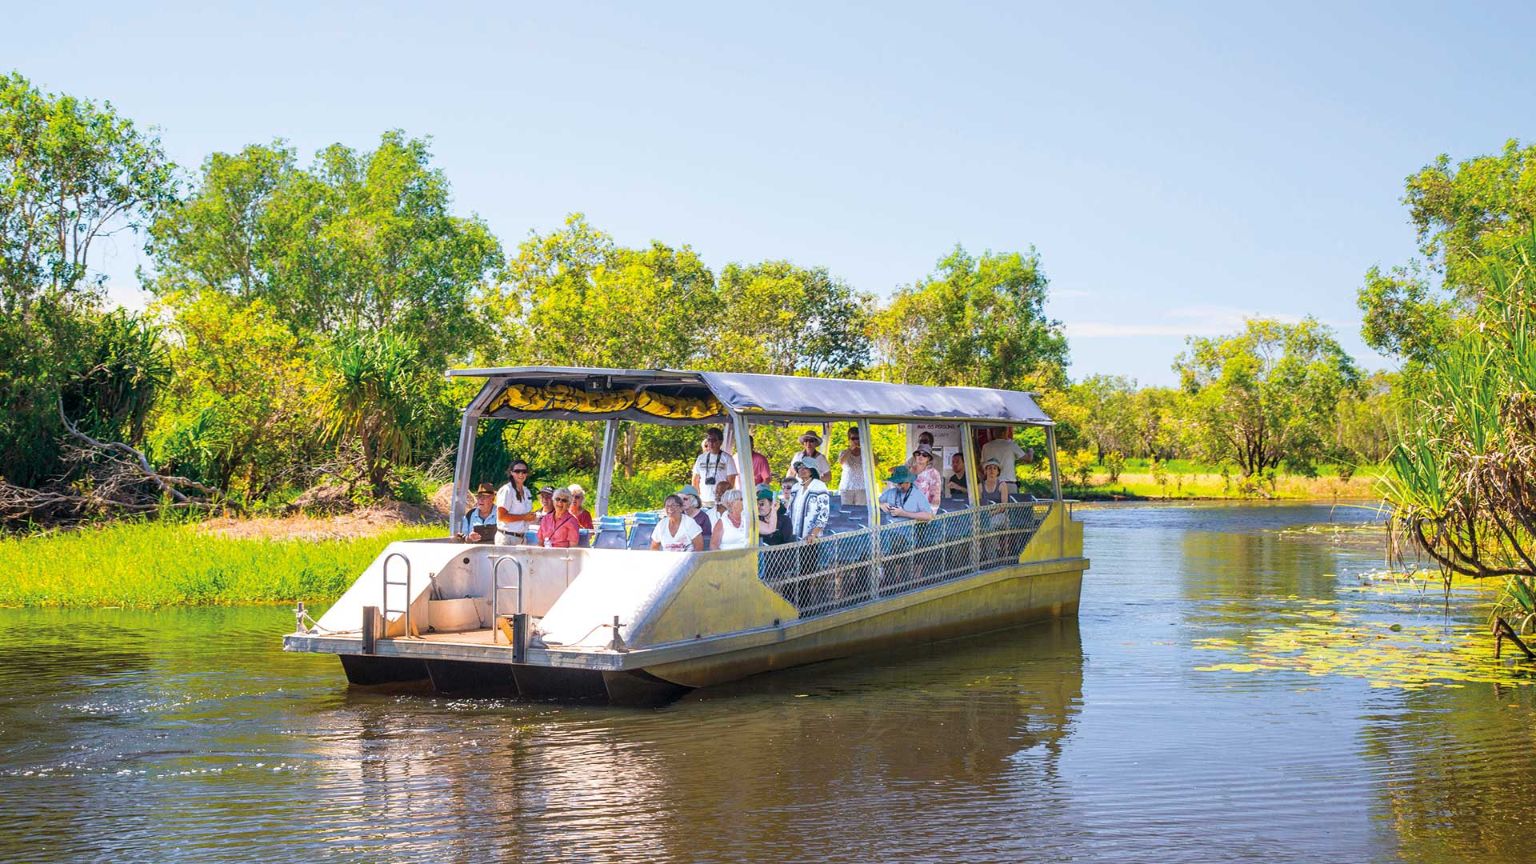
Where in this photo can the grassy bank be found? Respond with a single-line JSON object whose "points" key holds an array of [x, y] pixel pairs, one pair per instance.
{"points": [[1179, 479], [164, 564]]}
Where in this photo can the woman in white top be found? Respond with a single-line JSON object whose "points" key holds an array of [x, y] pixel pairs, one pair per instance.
{"points": [[851, 483], [732, 532], [514, 506], [676, 532]]}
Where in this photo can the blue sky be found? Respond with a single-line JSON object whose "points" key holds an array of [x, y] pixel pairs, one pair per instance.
{"points": [[1177, 166]]}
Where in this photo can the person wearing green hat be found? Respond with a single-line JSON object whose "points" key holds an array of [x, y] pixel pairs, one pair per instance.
{"points": [[772, 521], [902, 501]]}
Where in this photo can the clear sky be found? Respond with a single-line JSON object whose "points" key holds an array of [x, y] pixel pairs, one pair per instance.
{"points": [[1178, 166]]}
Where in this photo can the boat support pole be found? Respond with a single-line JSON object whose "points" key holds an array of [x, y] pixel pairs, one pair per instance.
{"points": [[605, 466], [1050, 449], [744, 476], [871, 506]]}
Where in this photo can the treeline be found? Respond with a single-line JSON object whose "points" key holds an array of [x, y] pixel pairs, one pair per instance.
{"points": [[302, 315]]}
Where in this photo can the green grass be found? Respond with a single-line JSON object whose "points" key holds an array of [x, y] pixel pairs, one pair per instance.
{"points": [[149, 564]]}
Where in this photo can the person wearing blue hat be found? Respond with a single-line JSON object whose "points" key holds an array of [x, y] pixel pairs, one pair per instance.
{"points": [[902, 501]]}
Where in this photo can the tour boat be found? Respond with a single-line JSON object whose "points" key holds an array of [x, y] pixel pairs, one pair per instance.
{"points": [[617, 621]]}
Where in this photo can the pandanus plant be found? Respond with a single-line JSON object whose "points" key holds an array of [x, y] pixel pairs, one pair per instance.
{"points": [[372, 399], [1461, 480]]}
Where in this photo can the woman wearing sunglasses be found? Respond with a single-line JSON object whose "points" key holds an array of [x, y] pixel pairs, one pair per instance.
{"points": [[514, 506]]}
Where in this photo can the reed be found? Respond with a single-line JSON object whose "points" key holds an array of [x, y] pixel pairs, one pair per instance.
{"points": [[148, 564]]}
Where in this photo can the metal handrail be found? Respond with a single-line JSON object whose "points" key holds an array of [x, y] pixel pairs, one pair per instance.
{"points": [[388, 583], [496, 587]]}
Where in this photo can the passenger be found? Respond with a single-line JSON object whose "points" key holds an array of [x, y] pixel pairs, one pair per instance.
{"points": [[850, 484], [721, 488], [732, 531], [546, 502], [811, 504], [927, 479], [956, 486], [808, 453], [690, 499], [761, 471], [713, 466], [902, 501], [514, 506], [994, 490], [560, 529], [924, 439], [676, 532], [579, 506], [772, 520], [479, 524], [1005, 450]]}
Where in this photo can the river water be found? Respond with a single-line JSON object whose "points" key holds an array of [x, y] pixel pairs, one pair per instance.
{"points": [[1231, 690]]}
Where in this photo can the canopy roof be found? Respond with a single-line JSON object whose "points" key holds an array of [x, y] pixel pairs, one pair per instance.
{"points": [[676, 397]]}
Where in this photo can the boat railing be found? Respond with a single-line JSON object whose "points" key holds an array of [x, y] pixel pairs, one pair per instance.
{"points": [[497, 587], [848, 568]]}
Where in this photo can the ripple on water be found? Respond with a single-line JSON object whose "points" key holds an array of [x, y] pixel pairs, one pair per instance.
{"points": [[185, 735]]}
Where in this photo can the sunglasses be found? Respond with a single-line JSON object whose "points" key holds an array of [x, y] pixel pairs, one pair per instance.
{"points": [[519, 470]]}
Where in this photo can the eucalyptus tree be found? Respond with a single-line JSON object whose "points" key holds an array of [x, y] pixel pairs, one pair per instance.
{"points": [[976, 321], [783, 319], [357, 241], [1269, 394]]}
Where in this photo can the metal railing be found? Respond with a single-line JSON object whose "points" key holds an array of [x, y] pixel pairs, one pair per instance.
{"points": [[847, 568], [497, 588], [405, 611]]}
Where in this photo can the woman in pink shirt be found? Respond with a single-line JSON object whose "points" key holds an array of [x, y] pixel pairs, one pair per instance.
{"points": [[560, 529], [928, 479]]}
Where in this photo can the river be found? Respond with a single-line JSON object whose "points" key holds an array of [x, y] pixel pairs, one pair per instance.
{"points": [[1232, 689]]}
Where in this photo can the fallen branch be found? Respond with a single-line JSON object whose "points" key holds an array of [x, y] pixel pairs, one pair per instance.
{"points": [[1502, 631]]}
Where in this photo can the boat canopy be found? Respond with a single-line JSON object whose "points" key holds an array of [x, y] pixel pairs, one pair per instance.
{"points": [[678, 397]]}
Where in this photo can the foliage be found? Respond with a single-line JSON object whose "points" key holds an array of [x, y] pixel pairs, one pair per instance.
{"points": [[1105, 418], [576, 298], [1268, 394], [1114, 463], [1463, 214], [71, 172], [1460, 479], [238, 414], [977, 321], [1079, 465], [374, 386], [782, 319], [357, 242]]}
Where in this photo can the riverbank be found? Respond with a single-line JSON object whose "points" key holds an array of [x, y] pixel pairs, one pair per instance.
{"points": [[223, 562], [1214, 486]]}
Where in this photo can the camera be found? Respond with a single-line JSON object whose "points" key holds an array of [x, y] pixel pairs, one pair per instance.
{"points": [[710, 480]]}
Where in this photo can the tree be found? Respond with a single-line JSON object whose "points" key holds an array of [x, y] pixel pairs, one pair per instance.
{"points": [[1106, 420], [359, 241], [71, 172], [1463, 215], [1268, 394], [574, 297], [238, 414], [786, 320], [976, 321]]}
